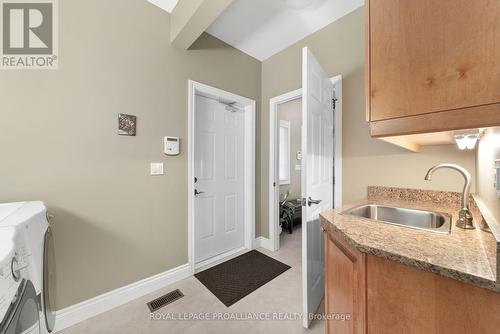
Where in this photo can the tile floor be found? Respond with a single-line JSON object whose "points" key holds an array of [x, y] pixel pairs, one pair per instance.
{"points": [[283, 294]]}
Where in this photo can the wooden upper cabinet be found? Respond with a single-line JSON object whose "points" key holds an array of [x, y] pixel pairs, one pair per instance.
{"points": [[432, 65]]}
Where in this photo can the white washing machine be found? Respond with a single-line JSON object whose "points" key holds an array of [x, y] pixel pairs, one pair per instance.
{"points": [[32, 269]]}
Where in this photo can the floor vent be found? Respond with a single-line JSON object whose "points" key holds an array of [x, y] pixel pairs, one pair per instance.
{"points": [[164, 300]]}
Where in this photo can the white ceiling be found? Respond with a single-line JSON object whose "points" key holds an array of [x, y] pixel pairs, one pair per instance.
{"points": [[262, 28], [167, 5]]}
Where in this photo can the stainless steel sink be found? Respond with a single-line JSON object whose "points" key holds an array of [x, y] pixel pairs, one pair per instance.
{"points": [[417, 219]]}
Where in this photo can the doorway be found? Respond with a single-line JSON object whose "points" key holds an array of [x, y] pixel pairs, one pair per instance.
{"points": [[281, 105], [289, 146], [221, 176]]}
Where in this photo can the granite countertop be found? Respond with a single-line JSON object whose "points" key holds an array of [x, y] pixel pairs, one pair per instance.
{"points": [[470, 256]]}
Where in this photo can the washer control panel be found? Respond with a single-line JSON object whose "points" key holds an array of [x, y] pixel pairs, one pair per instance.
{"points": [[19, 262]]}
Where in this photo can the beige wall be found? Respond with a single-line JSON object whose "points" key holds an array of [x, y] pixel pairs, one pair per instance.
{"points": [[488, 151], [366, 161], [114, 223], [292, 112]]}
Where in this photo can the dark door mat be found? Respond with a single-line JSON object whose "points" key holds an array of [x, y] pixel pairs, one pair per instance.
{"points": [[232, 280]]}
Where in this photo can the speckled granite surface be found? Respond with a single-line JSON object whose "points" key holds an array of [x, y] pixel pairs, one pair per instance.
{"points": [[469, 256], [443, 198]]}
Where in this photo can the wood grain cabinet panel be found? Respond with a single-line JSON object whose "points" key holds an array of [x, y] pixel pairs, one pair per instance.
{"points": [[386, 297], [429, 57], [345, 286], [404, 299]]}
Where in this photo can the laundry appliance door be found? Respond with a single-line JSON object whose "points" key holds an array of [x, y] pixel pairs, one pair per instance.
{"points": [[23, 316], [49, 281]]}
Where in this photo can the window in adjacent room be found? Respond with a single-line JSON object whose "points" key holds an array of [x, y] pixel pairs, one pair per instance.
{"points": [[284, 152]]}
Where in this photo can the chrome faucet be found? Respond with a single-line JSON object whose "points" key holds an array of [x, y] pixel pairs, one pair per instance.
{"points": [[464, 217]]}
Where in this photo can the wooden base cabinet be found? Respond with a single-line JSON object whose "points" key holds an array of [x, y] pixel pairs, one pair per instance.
{"points": [[386, 297], [345, 292]]}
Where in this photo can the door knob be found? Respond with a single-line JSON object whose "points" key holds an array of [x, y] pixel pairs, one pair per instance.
{"points": [[311, 201], [196, 192]]}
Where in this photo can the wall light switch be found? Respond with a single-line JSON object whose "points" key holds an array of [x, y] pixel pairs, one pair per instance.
{"points": [[157, 168], [298, 167]]}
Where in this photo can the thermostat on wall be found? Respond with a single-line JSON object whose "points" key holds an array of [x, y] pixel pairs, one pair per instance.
{"points": [[171, 145]]}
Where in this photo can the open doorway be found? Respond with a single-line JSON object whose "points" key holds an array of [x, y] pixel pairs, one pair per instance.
{"points": [[289, 168], [283, 109]]}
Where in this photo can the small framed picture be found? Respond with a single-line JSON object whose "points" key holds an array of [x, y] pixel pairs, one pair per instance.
{"points": [[126, 124]]}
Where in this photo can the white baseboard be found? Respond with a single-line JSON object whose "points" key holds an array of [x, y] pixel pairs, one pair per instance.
{"points": [[264, 243], [89, 308]]}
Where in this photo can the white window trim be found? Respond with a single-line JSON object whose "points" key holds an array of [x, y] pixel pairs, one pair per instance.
{"points": [[286, 124]]}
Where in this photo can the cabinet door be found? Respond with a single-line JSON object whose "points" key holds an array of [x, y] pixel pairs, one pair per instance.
{"points": [[345, 292], [430, 56], [403, 299]]}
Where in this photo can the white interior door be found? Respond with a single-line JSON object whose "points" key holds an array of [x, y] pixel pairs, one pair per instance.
{"points": [[317, 176], [219, 179]]}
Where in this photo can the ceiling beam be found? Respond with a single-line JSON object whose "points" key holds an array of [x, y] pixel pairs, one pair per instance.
{"points": [[190, 18]]}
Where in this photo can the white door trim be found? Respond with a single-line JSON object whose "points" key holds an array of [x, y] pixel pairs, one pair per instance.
{"points": [[274, 184], [337, 187], [273, 156], [249, 172]]}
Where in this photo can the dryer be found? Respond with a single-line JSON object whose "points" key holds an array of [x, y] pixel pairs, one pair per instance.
{"points": [[8, 286], [19, 303], [33, 259]]}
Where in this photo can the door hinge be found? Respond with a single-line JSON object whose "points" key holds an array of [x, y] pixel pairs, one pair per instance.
{"points": [[334, 103], [274, 184]]}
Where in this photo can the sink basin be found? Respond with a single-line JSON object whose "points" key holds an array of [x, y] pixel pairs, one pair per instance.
{"points": [[412, 218]]}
